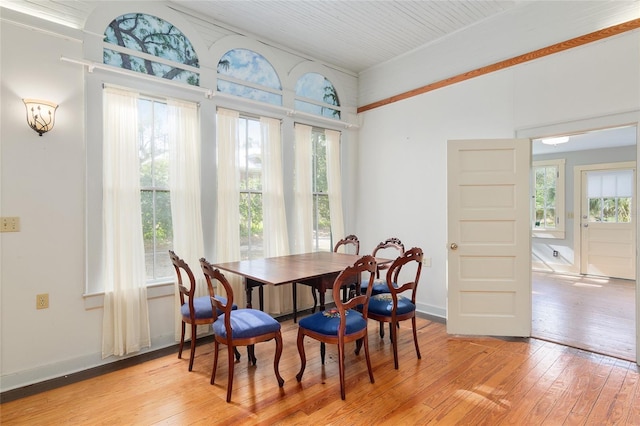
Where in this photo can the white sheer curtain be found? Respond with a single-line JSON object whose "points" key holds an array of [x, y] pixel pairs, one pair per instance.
{"points": [[125, 325], [334, 184], [184, 185], [228, 220], [303, 200], [303, 187], [276, 238]]}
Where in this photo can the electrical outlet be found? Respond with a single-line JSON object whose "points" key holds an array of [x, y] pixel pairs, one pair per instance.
{"points": [[555, 253], [426, 261], [42, 301], [10, 224]]}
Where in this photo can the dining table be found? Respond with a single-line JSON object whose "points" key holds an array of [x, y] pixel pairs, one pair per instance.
{"points": [[317, 269]]}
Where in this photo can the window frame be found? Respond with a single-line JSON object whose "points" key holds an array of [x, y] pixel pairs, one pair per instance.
{"points": [[316, 194], [249, 192], [153, 189], [559, 231]]}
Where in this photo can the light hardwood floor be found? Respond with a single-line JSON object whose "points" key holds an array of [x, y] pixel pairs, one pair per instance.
{"points": [[459, 380], [592, 313]]}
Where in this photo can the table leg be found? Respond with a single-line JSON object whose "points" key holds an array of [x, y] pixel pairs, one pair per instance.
{"points": [[249, 284], [248, 288], [294, 290], [261, 296]]}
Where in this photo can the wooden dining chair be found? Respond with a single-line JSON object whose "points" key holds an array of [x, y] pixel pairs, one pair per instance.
{"points": [[343, 324], [350, 242], [393, 307], [390, 249], [194, 310], [241, 327]]}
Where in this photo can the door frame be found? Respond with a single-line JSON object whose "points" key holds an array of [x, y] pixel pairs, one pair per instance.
{"points": [[628, 118]]}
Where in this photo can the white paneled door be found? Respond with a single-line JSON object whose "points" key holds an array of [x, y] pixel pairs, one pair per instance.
{"points": [[607, 225], [489, 237]]}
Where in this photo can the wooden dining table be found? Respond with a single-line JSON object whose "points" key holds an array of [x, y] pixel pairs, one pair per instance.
{"points": [[318, 269]]}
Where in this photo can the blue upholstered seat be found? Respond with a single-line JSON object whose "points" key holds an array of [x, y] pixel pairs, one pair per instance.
{"points": [[246, 323], [202, 307], [382, 304], [379, 286], [327, 322]]}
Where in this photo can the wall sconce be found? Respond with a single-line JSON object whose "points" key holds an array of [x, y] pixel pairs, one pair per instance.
{"points": [[41, 115]]}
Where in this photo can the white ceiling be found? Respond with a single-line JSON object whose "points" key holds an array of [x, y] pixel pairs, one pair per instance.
{"points": [[606, 138], [351, 35]]}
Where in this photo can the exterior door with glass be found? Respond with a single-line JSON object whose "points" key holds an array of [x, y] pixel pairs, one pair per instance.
{"points": [[607, 231]]}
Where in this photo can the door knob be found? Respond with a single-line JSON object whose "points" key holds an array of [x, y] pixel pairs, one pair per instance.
{"points": [[454, 246]]}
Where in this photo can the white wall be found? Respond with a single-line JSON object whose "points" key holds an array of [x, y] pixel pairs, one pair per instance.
{"points": [[403, 145]]}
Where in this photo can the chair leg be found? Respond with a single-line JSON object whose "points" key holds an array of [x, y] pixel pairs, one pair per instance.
{"points": [[251, 350], [323, 350], [303, 358], [341, 367], [230, 380], [276, 359], [381, 330], [216, 348], [193, 346], [394, 340], [415, 336], [237, 352], [181, 340], [365, 341], [358, 346]]}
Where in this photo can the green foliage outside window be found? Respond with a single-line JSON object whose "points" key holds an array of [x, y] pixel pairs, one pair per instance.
{"points": [[545, 197], [157, 227], [321, 216], [610, 209]]}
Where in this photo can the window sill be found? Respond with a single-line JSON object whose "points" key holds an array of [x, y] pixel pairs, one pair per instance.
{"points": [[548, 234], [96, 300]]}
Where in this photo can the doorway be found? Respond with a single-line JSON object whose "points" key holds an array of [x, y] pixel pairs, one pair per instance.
{"points": [[575, 302]]}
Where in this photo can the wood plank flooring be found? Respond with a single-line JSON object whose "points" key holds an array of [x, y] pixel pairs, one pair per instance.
{"points": [[459, 380], [592, 313]]}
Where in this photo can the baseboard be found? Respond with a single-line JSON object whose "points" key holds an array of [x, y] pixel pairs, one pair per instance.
{"points": [[88, 373]]}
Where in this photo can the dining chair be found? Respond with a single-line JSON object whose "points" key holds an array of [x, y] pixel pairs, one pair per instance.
{"points": [[393, 307], [352, 244], [240, 327], [194, 310], [389, 248], [348, 241], [343, 324]]}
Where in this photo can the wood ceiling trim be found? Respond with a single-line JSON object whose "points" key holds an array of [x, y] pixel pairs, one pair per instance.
{"points": [[536, 54]]}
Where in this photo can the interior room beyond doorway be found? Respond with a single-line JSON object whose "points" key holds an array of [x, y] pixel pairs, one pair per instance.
{"points": [[592, 313]]}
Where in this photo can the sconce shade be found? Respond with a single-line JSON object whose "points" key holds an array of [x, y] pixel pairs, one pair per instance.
{"points": [[41, 115]]}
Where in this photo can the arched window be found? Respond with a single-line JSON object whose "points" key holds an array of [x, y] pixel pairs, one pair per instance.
{"points": [[316, 95], [245, 73], [150, 45]]}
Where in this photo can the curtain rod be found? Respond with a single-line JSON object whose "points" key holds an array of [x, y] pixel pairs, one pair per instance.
{"points": [[208, 93]]}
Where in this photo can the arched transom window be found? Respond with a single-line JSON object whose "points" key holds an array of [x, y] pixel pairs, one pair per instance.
{"points": [[245, 73], [316, 95], [150, 45]]}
